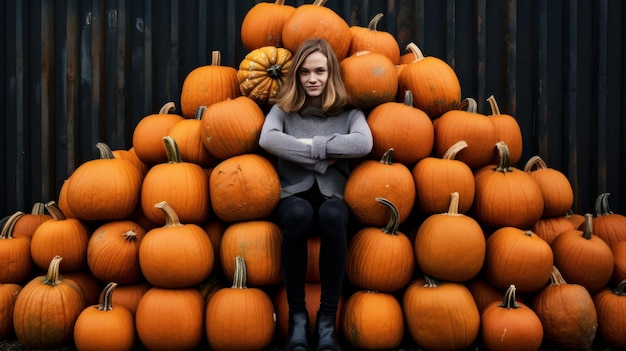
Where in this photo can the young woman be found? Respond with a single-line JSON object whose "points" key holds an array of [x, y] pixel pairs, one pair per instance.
{"points": [[314, 135]]}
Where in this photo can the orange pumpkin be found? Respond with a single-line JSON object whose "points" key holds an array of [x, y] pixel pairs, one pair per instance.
{"points": [[150, 131], [567, 313], [370, 79], [506, 196], [46, 309], [371, 39], [232, 127], [188, 136], [244, 187], [440, 316], [107, 188], [258, 243], [263, 72], [184, 185], [372, 321], [129, 295], [8, 295], [508, 250], [408, 130], [206, 85], [450, 246], [316, 21], [263, 24], [484, 293], [549, 228], [507, 130], [385, 179], [609, 226], [239, 318], [558, 195], [105, 327], [381, 259], [15, 262], [583, 258], [611, 310], [131, 155], [28, 223], [435, 85], [170, 319], [510, 325], [619, 256]]}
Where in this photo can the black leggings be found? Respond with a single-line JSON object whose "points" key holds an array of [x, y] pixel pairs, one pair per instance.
{"points": [[305, 214]]}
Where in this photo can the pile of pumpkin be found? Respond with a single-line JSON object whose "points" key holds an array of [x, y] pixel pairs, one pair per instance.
{"points": [[171, 244]]}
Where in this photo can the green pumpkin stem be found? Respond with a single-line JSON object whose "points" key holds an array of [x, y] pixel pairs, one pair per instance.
{"points": [[509, 298], [105, 151], [7, 229], [394, 218], [588, 229], [107, 297], [171, 218], [239, 278], [171, 149], [55, 211], [602, 205], [504, 158], [431, 282], [52, 277]]}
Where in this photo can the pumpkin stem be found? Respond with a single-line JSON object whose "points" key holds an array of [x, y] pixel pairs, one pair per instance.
{"points": [[107, 297], [495, 110], [450, 154], [588, 230], [52, 277], [374, 22], [7, 229], [216, 58], [394, 219], [431, 282], [319, 2], [504, 158], [130, 235], [167, 108], [472, 105], [537, 162], [556, 278], [279, 2], [417, 53], [621, 288], [239, 278], [602, 205], [38, 208], [509, 298], [105, 151], [408, 98], [199, 113], [386, 159], [55, 211], [171, 149], [171, 218], [453, 209], [275, 71], [528, 233]]}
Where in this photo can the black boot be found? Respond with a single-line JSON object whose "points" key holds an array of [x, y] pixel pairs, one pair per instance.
{"points": [[325, 332], [298, 334]]}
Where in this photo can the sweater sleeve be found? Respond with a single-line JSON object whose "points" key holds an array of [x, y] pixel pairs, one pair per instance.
{"points": [[358, 142]]}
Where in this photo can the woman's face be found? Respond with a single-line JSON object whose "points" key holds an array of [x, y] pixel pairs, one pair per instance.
{"points": [[313, 74]]}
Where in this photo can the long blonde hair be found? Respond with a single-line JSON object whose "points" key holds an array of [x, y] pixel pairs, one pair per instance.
{"points": [[292, 96]]}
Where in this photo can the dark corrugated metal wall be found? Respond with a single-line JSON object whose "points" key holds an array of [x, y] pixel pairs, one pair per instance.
{"points": [[75, 72]]}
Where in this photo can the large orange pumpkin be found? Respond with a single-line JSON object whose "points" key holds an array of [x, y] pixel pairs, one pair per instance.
{"points": [[263, 72], [406, 129], [611, 310], [371, 39], [206, 85], [435, 85], [385, 179], [317, 21], [370, 79], [263, 24], [149, 132]]}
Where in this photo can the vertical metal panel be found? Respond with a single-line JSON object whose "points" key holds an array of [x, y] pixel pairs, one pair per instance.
{"points": [[75, 72]]}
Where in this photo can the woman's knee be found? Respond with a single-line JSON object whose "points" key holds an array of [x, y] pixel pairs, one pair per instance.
{"points": [[334, 211]]}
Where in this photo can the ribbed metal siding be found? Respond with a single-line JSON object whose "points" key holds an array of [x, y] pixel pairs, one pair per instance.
{"points": [[76, 72]]}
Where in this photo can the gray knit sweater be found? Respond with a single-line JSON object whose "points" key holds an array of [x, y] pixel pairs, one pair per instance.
{"points": [[336, 139]]}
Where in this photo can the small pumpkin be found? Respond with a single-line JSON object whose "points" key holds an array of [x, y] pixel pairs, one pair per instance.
{"points": [[46, 310], [105, 327], [611, 310], [131, 156], [208, 84], [371, 39], [381, 259], [484, 293], [188, 136], [263, 24], [239, 318], [129, 295], [609, 226], [372, 321], [263, 72], [558, 195], [507, 130], [549, 228], [149, 132], [28, 223], [450, 246], [370, 79], [567, 313], [510, 325], [15, 262]]}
